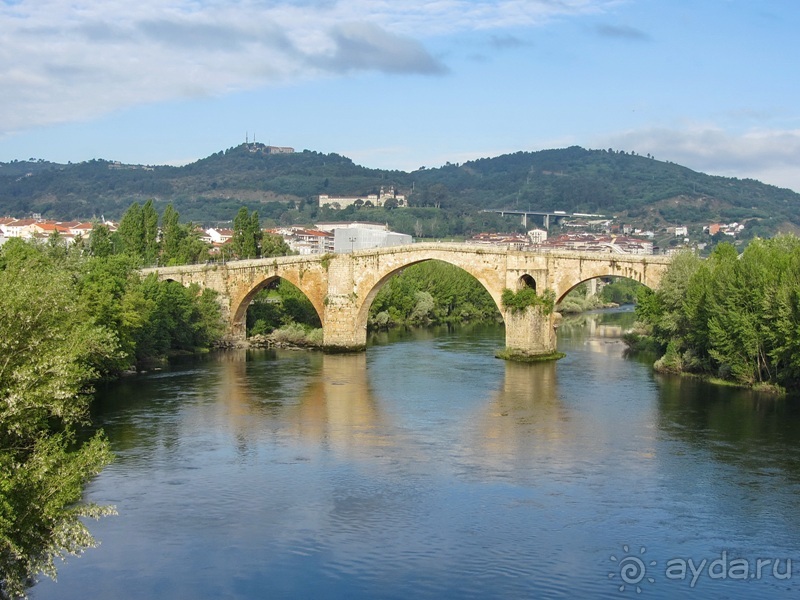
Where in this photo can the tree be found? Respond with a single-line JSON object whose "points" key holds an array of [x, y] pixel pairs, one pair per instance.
{"points": [[131, 231], [254, 232], [100, 244], [736, 317], [274, 245], [48, 345], [150, 228], [173, 236], [246, 234]]}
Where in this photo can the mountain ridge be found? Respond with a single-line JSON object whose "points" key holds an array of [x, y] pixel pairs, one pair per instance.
{"points": [[285, 187]]}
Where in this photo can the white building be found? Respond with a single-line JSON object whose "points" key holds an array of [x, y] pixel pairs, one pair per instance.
{"points": [[373, 199], [537, 236], [217, 236], [331, 225], [350, 239]]}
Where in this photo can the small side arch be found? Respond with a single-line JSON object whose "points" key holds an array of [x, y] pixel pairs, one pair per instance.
{"points": [[596, 277], [239, 313], [526, 281]]}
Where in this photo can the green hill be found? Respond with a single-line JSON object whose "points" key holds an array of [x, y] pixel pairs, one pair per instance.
{"points": [[445, 201]]}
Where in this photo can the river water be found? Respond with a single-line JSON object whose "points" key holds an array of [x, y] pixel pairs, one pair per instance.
{"points": [[426, 468]]}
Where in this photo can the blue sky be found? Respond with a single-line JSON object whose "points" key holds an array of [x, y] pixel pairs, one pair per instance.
{"points": [[710, 84]]}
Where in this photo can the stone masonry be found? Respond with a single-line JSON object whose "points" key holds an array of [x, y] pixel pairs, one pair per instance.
{"points": [[342, 286]]}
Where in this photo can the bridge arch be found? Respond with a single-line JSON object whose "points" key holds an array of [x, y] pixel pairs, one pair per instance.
{"points": [[382, 276], [526, 281], [644, 273], [242, 288], [239, 316]]}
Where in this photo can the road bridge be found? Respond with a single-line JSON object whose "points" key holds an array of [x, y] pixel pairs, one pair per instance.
{"points": [[341, 287]]}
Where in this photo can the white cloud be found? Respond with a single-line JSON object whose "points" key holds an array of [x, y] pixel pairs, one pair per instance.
{"points": [[768, 155], [64, 60], [622, 32]]}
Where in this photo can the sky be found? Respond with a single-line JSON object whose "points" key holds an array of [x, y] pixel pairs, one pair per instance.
{"points": [[399, 84]]}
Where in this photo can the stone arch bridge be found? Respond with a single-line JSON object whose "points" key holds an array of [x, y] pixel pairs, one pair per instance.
{"points": [[342, 286]]}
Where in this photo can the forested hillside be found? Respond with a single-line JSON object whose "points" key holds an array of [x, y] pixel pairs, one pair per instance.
{"points": [[445, 200]]}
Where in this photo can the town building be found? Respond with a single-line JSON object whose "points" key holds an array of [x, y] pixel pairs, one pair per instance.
{"points": [[515, 241], [306, 241], [351, 239], [217, 235], [589, 242], [38, 228], [731, 229], [537, 236]]}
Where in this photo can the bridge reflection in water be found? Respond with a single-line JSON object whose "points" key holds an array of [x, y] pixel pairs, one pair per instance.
{"points": [[513, 421]]}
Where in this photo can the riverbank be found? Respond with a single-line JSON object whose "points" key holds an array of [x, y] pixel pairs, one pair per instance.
{"points": [[291, 336], [672, 363]]}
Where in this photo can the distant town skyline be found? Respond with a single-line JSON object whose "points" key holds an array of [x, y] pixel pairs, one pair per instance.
{"points": [[710, 85]]}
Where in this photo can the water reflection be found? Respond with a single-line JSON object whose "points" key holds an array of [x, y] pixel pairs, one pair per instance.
{"points": [[523, 422], [338, 408]]}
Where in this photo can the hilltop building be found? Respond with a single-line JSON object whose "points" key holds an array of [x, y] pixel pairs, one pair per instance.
{"points": [[373, 199]]}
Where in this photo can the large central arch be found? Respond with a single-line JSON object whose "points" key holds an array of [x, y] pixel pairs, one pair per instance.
{"points": [[369, 285], [369, 298]]}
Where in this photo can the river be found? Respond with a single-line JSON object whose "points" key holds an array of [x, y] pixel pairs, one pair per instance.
{"points": [[425, 468]]}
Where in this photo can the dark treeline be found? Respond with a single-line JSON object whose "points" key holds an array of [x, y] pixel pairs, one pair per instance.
{"points": [[735, 317]]}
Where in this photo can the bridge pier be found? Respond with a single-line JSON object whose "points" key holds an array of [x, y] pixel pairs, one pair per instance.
{"points": [[341, 328], [530, 335]]}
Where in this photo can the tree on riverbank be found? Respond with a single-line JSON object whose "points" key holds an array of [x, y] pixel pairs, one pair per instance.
{"points": [[733, 317], [49, 349], [68, 318], [139, 237]]}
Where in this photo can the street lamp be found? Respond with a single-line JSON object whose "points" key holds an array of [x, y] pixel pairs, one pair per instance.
{"points": [[352, 241]]}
